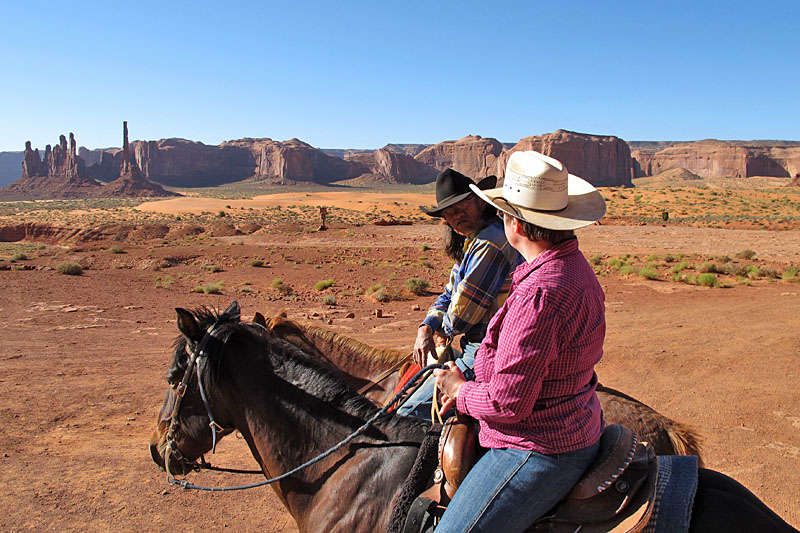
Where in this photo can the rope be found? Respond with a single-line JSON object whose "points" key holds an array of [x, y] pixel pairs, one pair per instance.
{"points": [[359, 431]]}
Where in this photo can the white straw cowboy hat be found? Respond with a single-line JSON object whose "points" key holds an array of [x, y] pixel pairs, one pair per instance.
{"points": [[538, 189]]}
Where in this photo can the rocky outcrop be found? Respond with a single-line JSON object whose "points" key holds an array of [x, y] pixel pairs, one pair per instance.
{"points": [[473, 156], [131, 182], [292, 160], [387, 166], [712, 158], [602, 160], [61, 173], [408, 149]]}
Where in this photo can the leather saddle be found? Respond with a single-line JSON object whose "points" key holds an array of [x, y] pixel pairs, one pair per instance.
{"points": [[616, 493]]}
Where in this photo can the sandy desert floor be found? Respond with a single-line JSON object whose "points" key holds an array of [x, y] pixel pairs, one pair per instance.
{"points": [[82, 368]]}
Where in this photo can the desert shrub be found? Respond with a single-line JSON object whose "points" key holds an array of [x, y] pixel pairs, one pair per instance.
{"points": [[648, 273], [653, 258], [380, 295], [209, 288], [417, 286], [213, 268], [116, 249], [790, 275], [614, 263], [709, 267], [375, 287], [19, 256], [256, 263], [708, 280], [329, 299], [752, 272], [746, 254], [69, 268], [767, 272], [425, 247], [324, 284], [627, 270], [596, 259], [281, 287], [669, 258], [676, 276], [724, 259], [676, 268]]}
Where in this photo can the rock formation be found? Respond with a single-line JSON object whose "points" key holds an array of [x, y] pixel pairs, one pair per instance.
{"points": [[473, 156], [387, 166], [130, 181], [602, 160], [712, 158], [61, 173]]}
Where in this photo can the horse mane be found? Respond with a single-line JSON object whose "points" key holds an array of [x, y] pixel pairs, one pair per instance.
{"points": [[378, 355]]}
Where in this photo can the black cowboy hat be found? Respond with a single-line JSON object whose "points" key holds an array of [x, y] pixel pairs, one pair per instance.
{"points": [[452, 187]]}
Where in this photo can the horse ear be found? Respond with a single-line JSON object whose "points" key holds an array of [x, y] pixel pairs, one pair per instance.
{"points": [[233, 312], [259, 319], [282, 314], [188, 325]]}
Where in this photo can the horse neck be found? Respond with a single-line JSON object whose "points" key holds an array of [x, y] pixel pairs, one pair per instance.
{"points": [[286, 426], [349, 355]]}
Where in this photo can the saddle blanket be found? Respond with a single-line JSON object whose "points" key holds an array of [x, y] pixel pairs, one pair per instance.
{"points": [[675, 489]]}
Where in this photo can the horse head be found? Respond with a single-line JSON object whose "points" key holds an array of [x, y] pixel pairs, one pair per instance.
{"points": [[184, 431]]}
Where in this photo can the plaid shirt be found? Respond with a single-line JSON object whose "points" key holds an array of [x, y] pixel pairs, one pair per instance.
{"points": [[535, 383], [478, 285]]}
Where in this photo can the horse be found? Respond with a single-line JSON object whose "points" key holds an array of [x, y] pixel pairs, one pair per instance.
{"points": [[289, 407], [376, 372]]}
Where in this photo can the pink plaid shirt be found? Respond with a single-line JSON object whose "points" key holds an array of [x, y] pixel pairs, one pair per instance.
{"points": [[535, 383]]}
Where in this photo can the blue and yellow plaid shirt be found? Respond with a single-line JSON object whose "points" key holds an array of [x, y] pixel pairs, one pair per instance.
{"points": [[478, 285]]}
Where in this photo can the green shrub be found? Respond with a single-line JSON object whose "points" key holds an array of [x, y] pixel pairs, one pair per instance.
{"points": [[425, 247], [375, 287], [752, 272], [676, 268], [69, 268], [708, 280], [256, 263], [596, 259], [324, 284], [417, 286], [614, 263], [213, 268], [746, 254], [19, 256], [380, 295], [116, 249], [648, 273], [209, 288], [627, 270], [329, 299], [790, 275], [281, 287], [676, 276], [709, 267]]}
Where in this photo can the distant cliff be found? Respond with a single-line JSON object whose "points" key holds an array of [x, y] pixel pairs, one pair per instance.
{"points": [[604, 160]]}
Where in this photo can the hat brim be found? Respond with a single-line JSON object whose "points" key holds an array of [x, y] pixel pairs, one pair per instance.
{"points": [[486, 183], [585, 206]]}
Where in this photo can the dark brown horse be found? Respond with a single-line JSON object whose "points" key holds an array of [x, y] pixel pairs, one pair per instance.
{"points": [[290, 408], [365, 369]]}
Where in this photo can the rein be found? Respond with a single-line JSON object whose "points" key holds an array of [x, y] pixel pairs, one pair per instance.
{"points": [[172, 448]]}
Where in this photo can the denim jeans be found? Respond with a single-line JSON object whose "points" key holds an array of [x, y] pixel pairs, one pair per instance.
{"points": [[419, 403], [508, 489]]}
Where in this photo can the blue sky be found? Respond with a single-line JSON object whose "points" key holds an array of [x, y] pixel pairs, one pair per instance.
{"points": [[362, 74]]}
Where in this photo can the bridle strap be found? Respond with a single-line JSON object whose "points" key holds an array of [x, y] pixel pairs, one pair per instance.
{"points": [[385, 374]]}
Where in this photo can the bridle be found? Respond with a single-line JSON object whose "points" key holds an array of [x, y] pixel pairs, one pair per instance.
{"points": [[171, 449]]}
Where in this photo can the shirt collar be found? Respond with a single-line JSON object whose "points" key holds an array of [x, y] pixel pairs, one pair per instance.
{"points": [[554, 252]]}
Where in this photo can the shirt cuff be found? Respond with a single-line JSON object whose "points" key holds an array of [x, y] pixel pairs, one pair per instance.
{"points": [[433, 321], [461, 400]]}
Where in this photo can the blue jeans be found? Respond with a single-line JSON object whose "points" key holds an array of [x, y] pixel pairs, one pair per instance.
{"points": [[508, 489], [419, 403]]}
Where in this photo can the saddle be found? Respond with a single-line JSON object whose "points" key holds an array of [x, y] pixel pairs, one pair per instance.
{"points": [[615, 494]]}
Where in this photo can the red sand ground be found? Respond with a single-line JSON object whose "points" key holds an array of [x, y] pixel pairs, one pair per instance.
{"points": [[84, 359]]}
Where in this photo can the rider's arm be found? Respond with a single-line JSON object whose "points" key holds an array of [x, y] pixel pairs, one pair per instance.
{"points": [[527, 345]]}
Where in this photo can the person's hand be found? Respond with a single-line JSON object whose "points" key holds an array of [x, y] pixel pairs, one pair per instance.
{"points": [[449, 381], [423, 345]]}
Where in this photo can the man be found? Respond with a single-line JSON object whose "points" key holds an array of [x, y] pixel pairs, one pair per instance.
{"points": [[479, 281]]}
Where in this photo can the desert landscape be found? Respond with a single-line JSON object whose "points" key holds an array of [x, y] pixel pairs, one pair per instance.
{"points": [[703, 311]]}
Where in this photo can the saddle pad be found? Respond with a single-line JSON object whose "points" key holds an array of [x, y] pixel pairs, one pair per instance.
{"points": [[676, 486]]}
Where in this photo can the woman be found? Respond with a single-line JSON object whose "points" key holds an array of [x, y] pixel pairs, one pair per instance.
{"points": [[534, 389]]}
